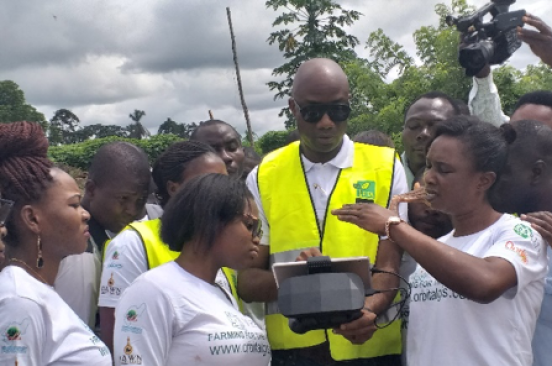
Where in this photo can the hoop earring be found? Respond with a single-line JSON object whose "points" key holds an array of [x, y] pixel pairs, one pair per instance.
{"points": [[39, 260]]}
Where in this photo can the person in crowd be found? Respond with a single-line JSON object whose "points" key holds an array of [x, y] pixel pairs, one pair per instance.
{"points": [[2, 246], [47, 223], [420, 121], [177, 314], [484, 100], [115, 194], [479, 289], [525, 187], [374, 137], [426, 219], [5, 209], [323, 170], [139, 248], [226, 141], [430, 222], [252, 159], [536, 106]]}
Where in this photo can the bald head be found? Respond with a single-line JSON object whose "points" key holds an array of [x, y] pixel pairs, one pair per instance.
{"points": [[319, 73], [320, 105]]}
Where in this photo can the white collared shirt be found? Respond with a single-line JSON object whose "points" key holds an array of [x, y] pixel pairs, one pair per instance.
{"points": [[321, 178]]}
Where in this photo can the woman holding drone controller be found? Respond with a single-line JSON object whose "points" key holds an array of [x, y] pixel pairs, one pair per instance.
{"points": [[477, 291]]}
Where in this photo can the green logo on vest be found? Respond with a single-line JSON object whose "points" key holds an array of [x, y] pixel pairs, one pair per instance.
{"points": [[523, 231], [365, 189]]}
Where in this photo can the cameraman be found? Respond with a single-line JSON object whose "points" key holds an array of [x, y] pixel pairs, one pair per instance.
{"points": [[484, 100]]}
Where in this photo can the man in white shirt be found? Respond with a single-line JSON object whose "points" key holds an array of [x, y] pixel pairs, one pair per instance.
{"points": [[420, 120], [115, 195], [320, 105]]}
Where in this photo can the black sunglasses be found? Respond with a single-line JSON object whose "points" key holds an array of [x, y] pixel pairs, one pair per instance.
{"points": [[254, 225], [5, 208], [313, 113]]}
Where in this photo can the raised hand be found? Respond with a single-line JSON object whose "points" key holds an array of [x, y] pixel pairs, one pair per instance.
{"points": [[540, 41]]}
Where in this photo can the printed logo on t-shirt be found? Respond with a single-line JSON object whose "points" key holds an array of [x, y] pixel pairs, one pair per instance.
{"points": [[521, 252], [426, 288], [129, 358], [365, 189], [523, 230], [133, 314], [235, 320], [114, 261], [110, 288], [13, 333]]}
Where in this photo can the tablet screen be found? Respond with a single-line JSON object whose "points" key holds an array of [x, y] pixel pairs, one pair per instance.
{"points": [[357, 265]]}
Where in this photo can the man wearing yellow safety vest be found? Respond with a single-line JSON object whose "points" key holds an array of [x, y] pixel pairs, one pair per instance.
{"points": [[296, 188], [139, 248]]}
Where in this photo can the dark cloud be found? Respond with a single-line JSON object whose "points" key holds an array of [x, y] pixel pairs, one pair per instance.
{"points": [[105, 58]]}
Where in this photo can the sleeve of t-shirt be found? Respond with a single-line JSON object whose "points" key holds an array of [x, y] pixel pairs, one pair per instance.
{"points": [[524, 248], [144, 321], [23, 333], [125, 260], [484, 101], [254, 188], [400, 186], [77, 283]]}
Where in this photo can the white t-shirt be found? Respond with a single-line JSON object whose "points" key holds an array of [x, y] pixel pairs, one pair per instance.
{"points": [[542, 340], [169, 317], [125, 260], [40, 329], [448, 329]]}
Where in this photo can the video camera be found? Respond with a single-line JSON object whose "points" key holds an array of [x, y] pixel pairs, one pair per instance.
{"points": [[488, 43]]}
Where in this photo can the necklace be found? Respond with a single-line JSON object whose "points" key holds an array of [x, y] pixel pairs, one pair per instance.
{"points": [[35, 273]]}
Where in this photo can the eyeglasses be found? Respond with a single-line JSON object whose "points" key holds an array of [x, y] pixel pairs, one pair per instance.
{"points": [[5, 208], [254, 225], [313, 113]]}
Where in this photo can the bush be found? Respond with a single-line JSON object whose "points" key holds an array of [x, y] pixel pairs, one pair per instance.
{"points": [[80, 155], [272, 140]]}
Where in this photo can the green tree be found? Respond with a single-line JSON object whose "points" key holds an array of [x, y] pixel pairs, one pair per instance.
{"points": [[183, 130], [63, 127], [137, 130], [381, 105], [319, 32], [13, 106]]}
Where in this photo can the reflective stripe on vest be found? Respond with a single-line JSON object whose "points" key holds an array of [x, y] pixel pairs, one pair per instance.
{"points": [[158, 253], [294, 227]]}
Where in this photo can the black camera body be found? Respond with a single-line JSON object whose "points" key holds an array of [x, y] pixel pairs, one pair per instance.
{"points": [[322, 299], [490, 43]]}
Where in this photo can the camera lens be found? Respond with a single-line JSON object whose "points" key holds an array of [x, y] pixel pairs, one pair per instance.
{"points": [[475, 56]]}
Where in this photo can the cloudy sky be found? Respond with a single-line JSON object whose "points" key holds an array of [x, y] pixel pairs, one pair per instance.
{"points": [[172, 58]]}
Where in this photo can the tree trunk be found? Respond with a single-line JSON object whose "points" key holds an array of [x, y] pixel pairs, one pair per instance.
{"points": [[244, 106]]}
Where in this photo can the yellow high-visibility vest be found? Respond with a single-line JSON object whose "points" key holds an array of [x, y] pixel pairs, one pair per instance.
{"points": [[294, 227], [158, 253]]}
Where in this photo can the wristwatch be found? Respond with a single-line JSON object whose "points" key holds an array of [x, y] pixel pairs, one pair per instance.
{"points": [[392, 220]]}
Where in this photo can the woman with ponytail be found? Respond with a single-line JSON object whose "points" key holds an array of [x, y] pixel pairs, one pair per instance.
{"points": [[46, 224], [477, 291]]}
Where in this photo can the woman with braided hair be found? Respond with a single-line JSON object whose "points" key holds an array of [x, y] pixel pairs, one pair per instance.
{"points": [[139, 248], [46, 224]]}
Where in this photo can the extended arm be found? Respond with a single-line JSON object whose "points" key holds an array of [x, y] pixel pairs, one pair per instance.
{"points": [[480, 279]]}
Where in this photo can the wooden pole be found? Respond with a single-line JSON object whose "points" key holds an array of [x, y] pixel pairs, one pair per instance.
{"points": [[244, 106]]}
